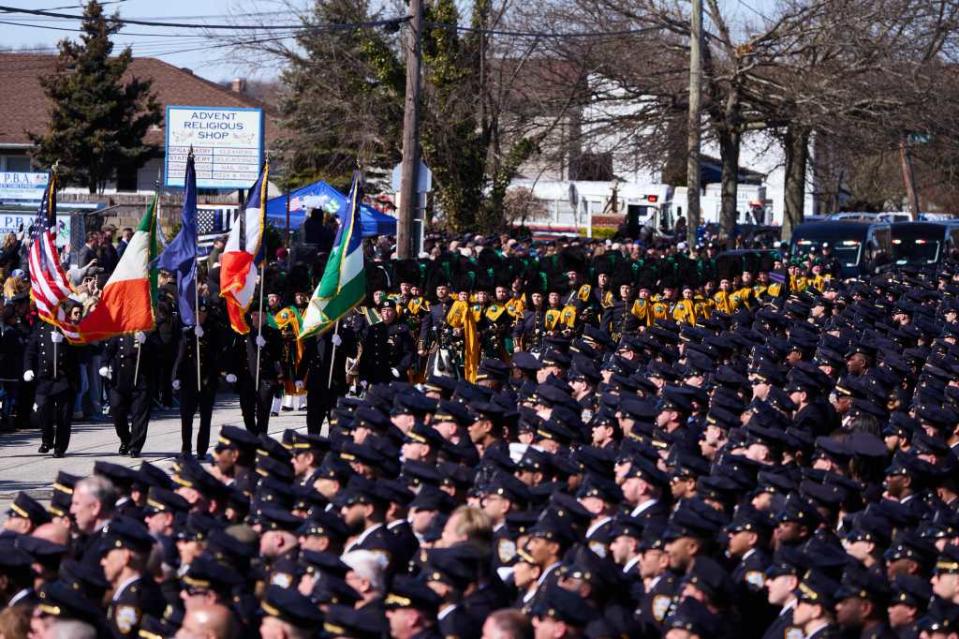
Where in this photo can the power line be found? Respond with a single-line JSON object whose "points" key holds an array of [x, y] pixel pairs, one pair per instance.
{"points": [[186, 25], [345, 26]]}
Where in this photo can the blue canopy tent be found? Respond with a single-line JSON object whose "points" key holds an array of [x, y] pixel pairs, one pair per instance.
{"points": [[321, 195]]}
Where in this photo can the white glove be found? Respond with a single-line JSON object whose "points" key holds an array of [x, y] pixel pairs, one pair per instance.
{"points": [[140, 337], [337, 340], [230, 378], [260, 341], [28, 376], [300, 385], [198, 330], [395, 372], [56, 337], [104, 371], [176, 384]]}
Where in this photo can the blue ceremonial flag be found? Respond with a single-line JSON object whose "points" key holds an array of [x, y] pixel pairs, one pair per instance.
{"points": [[179, 256]]}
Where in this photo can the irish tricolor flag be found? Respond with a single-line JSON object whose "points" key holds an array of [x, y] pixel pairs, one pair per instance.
{"points": [[126, 303], [344, 281]]}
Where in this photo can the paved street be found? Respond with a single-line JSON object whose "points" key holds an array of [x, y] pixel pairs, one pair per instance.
{"points": [[22, 468]]}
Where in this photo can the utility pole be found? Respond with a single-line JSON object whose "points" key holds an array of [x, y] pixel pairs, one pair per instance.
{"points": [[409, 200], [693, 213], [909, 177]]}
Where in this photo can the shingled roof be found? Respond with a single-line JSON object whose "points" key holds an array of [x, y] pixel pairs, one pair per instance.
{"points": [[24, 107]]}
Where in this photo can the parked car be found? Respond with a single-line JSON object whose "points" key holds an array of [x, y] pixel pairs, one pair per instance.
{"points": [[862, 248]]}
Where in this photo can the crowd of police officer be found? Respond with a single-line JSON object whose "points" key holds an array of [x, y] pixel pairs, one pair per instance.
{"points": [[534, 440]]}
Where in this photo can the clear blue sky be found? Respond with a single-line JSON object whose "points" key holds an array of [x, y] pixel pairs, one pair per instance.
{"points": [[197, 50]]}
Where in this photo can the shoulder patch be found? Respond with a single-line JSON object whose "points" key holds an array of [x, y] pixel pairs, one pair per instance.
{"points": [[505, 550], [126, 617], [281, 579], [661, 607], [756, 579], [598, 548]]}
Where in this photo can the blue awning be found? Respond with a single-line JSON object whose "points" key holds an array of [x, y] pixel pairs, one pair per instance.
{"points": [[321, 195]]}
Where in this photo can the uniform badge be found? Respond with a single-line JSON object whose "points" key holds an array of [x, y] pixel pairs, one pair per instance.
{"points": [[756, 579], [506, 550], [793, 632], [598, 548], [661, 607], [586, 415], [281, 579], [126, 618]]}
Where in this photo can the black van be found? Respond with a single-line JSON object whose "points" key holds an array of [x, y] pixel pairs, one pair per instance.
{"points": [[923, 243], [862, 248]]}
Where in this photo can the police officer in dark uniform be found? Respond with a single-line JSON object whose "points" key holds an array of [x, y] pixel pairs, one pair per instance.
{"points": [[129, 366], [435, 321], [126, 547], [387, 349], [322, 355], [211, 340], [260, 349], [412, 594], [52, 361]]}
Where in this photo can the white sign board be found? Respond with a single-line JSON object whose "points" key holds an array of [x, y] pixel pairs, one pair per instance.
{"points": [[227, 146], [14, 222], [22, 186]]}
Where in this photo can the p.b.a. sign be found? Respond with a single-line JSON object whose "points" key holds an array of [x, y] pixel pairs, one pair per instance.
{"points": [[227, 145]]}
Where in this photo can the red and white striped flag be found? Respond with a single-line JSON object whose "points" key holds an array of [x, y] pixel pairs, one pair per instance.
{"points": [[49, 284]]}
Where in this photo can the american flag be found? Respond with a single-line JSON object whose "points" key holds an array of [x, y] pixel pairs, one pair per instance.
{"points": [[48, 282]]}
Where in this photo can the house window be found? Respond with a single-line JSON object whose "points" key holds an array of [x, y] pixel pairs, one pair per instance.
{"points": [[16, 163]]}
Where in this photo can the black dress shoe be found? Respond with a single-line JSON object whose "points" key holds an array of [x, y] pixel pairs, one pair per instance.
{"points": [[44, 449], [58, 453], [124, 449], [134, 454]]}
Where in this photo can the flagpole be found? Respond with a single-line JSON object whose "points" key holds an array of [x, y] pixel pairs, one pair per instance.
{"points": [[196, 315], [136, 369], [329, 381], [259, 330]]}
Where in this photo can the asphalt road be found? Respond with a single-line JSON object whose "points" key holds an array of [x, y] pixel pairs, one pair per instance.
{"points": [[22, 468]]}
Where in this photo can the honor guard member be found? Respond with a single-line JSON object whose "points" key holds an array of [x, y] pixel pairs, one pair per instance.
{"points": [[192, 397], [262, 348], [128, 367], [618, 320], [126, 548], [52, 362], [322, 366], [387, 349], [434, 322]]}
